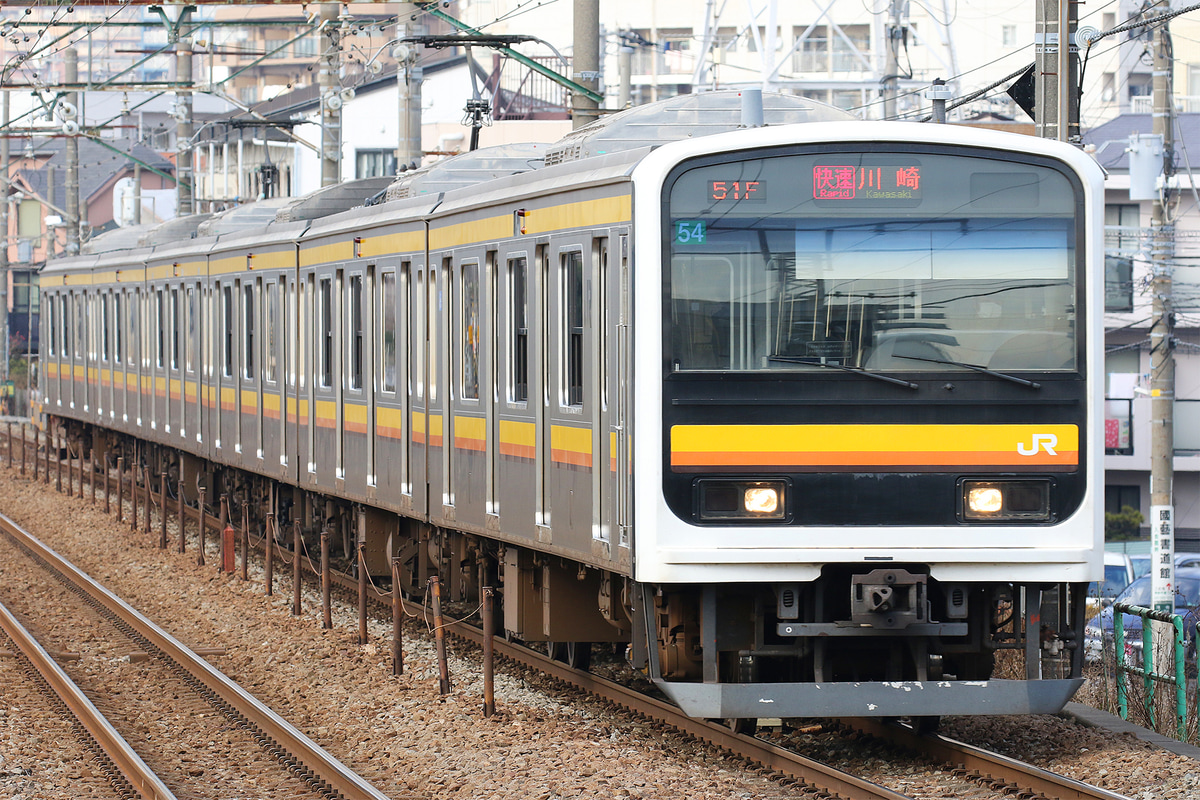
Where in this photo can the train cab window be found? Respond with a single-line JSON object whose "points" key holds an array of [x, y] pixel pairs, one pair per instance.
{"points": [[469, 331], [248, 331], [518, 370], [355, 331], [387, 301], [325, 332], [227, 328], [571, 340], [270, 357]]}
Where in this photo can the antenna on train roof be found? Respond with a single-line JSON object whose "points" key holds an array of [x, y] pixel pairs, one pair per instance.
{"points": [[752, 108]]}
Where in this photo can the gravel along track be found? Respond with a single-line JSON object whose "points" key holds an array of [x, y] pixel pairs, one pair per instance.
{"points": [[409, 741]]}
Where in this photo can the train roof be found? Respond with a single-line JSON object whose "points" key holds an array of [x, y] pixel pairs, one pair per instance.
{"points": [[468, 169], [686, 116]]}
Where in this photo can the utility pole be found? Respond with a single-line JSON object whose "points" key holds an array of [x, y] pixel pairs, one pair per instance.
{"points": [[331, 99], [893, 35], [71, 204], [585, 62], [1162, 347], [185, 155], [409, 77], [1056, 94]]}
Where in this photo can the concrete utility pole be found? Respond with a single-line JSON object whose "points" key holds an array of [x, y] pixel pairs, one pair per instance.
{"points": [[185, 154], [893, 39], [585, 62], [331, 100], [4, 156], [409, 77], [1056, 95], [71, 203], [1162, 347]]}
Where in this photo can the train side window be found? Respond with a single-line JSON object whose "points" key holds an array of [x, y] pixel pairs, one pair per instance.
{"points": [[417, 348], [65, 325], [248, 330], [387, 300], [160, 321], [189, 358], [81, 341], [119, 328], [271, 307], [435, 321], [469, 331], [571, 338], [51, 322], [227, 328], [355, 331], [176, 325], [518, 362], [105, 351], [325, 321]]}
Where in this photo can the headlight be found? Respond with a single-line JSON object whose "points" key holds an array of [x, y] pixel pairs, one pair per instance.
{"points": [[1007, 500], [741, 499]]}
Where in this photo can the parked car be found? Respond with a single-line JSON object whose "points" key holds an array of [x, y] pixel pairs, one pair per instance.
{"points": [[1118, 573], [1141, 563], [1099, 631]]}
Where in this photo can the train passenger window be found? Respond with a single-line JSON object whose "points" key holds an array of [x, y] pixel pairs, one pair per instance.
{"points": [[160, 321], [355, 330], [518, 365], [294, 353], [417, 352], [81, 341], [435, 321], [469, 330], [177, 323], [387, 291], [270, 359], [227, 336], [104, 322], [119, 327], [190, 350], [248, 331], [65, 322], [325, 323], [51, 322], [572, 329]]}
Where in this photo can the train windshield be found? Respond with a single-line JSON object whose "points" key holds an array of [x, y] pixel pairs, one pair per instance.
{"points": [[890, 261]]}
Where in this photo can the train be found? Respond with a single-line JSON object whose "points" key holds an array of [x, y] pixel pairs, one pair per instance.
{"points": [[796, 412]]}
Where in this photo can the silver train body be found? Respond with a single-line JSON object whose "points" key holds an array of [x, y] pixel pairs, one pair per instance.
{"points": [[805, 415]]}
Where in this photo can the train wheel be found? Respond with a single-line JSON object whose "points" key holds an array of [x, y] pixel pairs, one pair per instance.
{"points": [[747, 726], [579, 655], [556, 650], [923, 725]]}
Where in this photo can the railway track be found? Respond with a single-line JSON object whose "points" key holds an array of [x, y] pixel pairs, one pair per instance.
{"points": [[311, 772], [1000, 774]]}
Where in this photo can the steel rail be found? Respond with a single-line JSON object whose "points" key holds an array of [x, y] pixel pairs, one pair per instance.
{"points": [[139, 776], [308, 753], [983, 763]]}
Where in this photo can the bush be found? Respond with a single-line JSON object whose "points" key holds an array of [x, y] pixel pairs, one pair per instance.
{"points": [[1123, 526]]}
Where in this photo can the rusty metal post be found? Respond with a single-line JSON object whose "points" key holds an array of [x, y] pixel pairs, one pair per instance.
{"points": [[91, 473], [120, 487], [203, 524], [440, 636], [182, 531], [107, 485], [269, 557], [57, 462], [326, 610], [227, 535], [362, 595], [149, 498], [133, 491], [10, 444], [489, 653], [297, 548], [244, 544], [397, 618], [162, 511], [22, 448], [37, 436]]}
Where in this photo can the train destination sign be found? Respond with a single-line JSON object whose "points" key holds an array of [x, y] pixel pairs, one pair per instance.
{"points": [[850, 182]]}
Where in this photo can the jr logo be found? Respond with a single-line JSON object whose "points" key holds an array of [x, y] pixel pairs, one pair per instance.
{"points": [[1041, 441]]}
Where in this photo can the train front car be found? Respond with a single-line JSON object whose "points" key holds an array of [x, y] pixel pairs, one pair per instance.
{"points": [[865, 461]]}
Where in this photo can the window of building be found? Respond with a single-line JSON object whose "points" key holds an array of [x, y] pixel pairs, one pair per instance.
{"points": [[825, 49], [374, 163], [1122, 241], [1008, 35], [1117, 497], [305, 48]]}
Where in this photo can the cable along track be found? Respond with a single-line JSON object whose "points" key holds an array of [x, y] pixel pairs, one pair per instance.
{"points": [[322, 773]]}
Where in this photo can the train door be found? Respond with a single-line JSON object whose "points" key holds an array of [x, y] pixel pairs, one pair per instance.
{"points": [[390, 452], [249, 393], [159, 328], [117, 407], [225, 405], [467, 436], [81, 352], [137, 348], [356, 428], [193, 336], [622, 384], [273, 401], [597, 311], [175, 365], [539, 392], [293, 345], [105, 377], [421, 449], [441, 393], [326, 454]]}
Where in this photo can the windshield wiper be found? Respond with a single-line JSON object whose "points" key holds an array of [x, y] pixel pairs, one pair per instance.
{"points": [[975, 367], [858, 370]]}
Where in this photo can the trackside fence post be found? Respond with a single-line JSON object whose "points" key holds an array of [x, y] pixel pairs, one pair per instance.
{"points": [[1175, 677]]}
